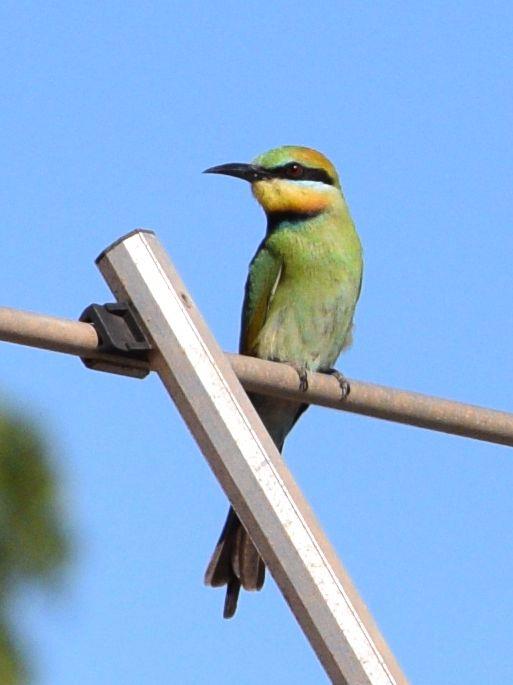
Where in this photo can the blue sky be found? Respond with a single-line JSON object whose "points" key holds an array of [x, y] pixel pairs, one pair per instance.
{"points": [[109, 113]]}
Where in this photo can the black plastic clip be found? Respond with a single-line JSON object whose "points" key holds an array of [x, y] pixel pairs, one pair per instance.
{"points": [[120, 335]]}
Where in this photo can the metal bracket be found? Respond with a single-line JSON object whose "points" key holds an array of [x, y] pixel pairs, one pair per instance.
{"points": [[120, 336]]}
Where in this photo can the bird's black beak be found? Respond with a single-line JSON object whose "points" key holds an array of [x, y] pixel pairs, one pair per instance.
{"points": [[248, 172]]}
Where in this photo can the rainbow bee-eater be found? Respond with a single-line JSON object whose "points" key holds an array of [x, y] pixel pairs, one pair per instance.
{"points": [[300, 296]]}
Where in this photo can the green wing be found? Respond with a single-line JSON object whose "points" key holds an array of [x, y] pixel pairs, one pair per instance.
{"points": [[263, 278]]}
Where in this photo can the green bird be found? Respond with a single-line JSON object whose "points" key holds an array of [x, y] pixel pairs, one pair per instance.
{"points": [[301, 292]]}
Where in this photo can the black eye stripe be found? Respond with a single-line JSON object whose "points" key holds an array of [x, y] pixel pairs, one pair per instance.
{"points": [[309, 174]]}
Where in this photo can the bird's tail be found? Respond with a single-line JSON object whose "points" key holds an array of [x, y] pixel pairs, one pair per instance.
{"points": [[235, 561]]}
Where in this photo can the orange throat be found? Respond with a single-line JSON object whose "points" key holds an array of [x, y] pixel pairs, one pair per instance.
{"points": [[277, 195]]}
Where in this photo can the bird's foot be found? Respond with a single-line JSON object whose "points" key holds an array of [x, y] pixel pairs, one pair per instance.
{"points": [[303, 375], [345, 388]]}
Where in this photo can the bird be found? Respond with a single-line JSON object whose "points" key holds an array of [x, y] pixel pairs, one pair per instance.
{"points": [[300, 296]]}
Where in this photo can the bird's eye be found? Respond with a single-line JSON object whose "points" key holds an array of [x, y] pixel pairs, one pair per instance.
{"points": [[294, 170]]}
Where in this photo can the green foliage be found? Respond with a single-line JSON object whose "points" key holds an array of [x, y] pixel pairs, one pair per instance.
{"points": [[12, 667], [33, 545]]}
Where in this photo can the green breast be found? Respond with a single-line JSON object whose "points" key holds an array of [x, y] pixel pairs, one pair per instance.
{"points": [[310, 313]]}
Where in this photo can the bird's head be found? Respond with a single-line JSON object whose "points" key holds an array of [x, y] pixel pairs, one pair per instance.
{"points": [[289, 179]]}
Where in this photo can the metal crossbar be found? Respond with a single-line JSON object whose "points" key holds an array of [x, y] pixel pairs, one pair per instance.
{"points": [[204, 384], [269, 378]]}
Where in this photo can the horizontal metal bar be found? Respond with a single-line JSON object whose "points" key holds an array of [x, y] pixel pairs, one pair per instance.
{"points": [[269, 378], [57, 335], [401, 406], [47, 332]]}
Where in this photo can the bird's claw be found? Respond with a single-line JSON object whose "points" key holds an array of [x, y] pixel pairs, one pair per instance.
{"points": [[303, 381], [345, 388], [303, 376]]}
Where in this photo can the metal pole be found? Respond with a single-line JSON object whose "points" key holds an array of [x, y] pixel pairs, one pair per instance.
{"points": [[206, 391], [402, 406], [269, 378]]}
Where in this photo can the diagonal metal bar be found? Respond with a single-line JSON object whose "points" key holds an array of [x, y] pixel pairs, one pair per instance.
{"points": [[199, 378]]}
